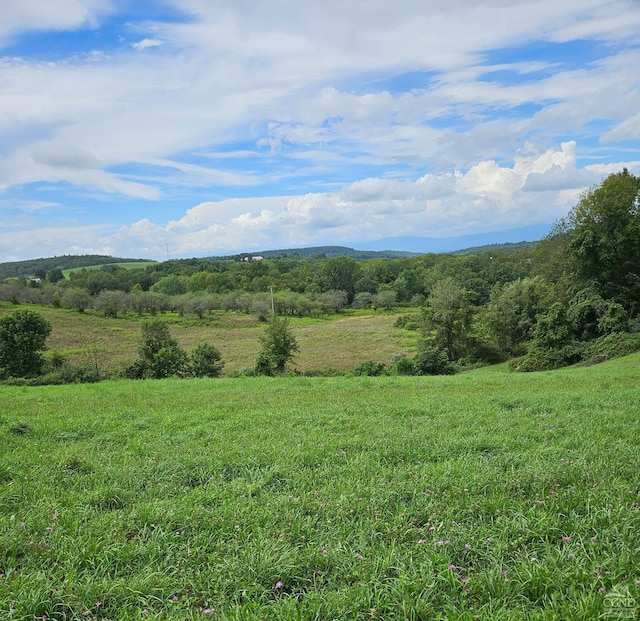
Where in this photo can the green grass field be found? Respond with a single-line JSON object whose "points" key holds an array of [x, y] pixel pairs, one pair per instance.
{"points": [[485, 495], [127, 265], [340, 341]]}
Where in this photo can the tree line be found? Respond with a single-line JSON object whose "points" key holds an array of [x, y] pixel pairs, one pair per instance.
{"points": [[573, 296]]}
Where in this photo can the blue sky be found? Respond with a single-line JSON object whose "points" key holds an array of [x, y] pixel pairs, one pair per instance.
{"points": [[217, 126]]}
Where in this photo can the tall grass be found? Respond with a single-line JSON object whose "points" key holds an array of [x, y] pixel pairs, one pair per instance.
{"points": [[486, 495], [340, 341]]}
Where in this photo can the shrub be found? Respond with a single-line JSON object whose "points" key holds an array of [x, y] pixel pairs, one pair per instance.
{"points": [[433, 360], [612, 346], [410, 321], [205, 361], [370, 368], [23, 335], [404, 366], [160, 354], [278, 347], [546, 359]]}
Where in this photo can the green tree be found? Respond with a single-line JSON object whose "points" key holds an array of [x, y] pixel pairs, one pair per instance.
{"points": [[206, 361], [511, 314], [55, 275], [160, 354], [23, 336], [604, 239], [112, 302], [341, 274], [171, 285], [591, 316], [448, 317], [76, 298], [432, 360], [279, 346]]}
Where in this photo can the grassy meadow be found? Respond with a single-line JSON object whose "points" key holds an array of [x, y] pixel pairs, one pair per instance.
{"points": [[485, 495], [127, 265], [341, 341]]}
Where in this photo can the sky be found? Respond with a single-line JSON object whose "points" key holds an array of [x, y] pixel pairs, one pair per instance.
{"points": [[190, 128]]}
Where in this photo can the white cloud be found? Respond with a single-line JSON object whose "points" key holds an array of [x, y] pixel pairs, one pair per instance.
{"points": [[28, 15], [629, 129], [285, 95], [207, 88], [146, 43], [487, 197]]}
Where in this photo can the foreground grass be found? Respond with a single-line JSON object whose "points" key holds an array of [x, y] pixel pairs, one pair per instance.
{"points": [[486, 495]]}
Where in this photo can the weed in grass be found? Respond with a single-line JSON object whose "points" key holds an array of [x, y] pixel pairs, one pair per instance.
{"points": [[20, 429]]}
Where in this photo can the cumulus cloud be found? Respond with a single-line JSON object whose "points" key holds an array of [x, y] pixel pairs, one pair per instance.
{"points": [[536, 188], [492, 196], [394, 119]]}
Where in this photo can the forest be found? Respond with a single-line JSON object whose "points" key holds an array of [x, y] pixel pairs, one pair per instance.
{"points": [[571, 297]]}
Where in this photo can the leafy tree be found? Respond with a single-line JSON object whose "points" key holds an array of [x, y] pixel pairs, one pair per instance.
{"points": [[171, 285], [405, 366], [604, 238], [23, 336], [511, 314], [333, 300], [55, 275], [591, 316], [341, 274], [364, 299], [112, 302], [279, 346], [149, 302], [199, 305], [448, 316], [12, 291], [160, 354], [206, 361], [385, 298], [76, 298], [553, 328]]}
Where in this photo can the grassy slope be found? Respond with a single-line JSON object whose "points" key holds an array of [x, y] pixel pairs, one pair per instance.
{"points": [[486, 495], [339, 341], [127, 265]]}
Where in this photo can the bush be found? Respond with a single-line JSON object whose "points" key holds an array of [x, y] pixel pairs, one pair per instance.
{"points": [[160, 354], [205, 361], [370, 368], [404, 366], [410, 321], [433, 360], [23, 335], [612, 346], [278, 347], [547, 359], [264, 365]]}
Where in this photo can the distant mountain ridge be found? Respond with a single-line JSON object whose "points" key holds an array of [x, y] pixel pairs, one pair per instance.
{"points": [[426, 245], [29, 267], [389, 248], [328, 252]]}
